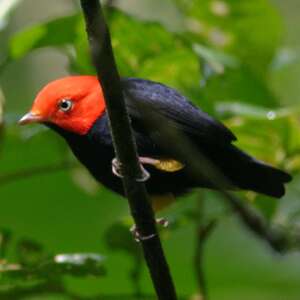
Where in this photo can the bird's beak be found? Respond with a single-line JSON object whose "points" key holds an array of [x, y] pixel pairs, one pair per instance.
{"points": [[29, 118]]}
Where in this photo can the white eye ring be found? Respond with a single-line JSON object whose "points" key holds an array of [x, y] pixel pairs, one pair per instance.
{"points": [[65, 105]]}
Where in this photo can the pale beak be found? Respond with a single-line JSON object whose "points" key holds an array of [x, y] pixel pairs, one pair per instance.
{"points": [[30, 118]]}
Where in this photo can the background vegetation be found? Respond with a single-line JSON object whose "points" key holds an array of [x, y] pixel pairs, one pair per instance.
{"points": [[238, 60]]}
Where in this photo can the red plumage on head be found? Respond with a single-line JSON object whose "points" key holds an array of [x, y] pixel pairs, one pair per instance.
{"points": [[86, 97]]}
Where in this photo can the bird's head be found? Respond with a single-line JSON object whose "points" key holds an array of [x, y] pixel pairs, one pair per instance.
{"points": [[72, 103]]}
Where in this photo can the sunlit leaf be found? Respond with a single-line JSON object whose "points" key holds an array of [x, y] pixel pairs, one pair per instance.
{"points": [[6, 7], [129, 36], [79, 259], [78, 265], [169, 69], [252, 111]]}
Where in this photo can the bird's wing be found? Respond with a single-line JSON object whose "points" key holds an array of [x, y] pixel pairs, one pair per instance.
{"points": [[175, 107]]}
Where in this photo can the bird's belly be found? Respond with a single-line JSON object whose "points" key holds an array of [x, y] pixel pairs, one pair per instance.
{"points": [[159, 182], [98, 160]]}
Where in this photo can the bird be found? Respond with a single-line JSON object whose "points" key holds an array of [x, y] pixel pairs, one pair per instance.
{"points": [[74, 107]]}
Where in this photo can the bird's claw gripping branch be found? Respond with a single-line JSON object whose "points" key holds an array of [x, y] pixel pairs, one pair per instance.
{"points": [[138, 237], [117, 170]]}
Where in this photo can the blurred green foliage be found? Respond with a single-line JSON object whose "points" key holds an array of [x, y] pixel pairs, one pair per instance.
{"points": [[227, 56]]}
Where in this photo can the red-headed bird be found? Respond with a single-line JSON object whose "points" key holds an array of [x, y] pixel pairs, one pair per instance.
{"points": [[75, 108]]}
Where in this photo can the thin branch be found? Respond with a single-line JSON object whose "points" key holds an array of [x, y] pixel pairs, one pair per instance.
{"points": [[277, 239], [203, 232], [124, 145], [35, 171]]}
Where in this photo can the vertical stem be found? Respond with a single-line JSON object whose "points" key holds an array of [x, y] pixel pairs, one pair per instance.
{"points": [[198, 259], [125, 148], [203, 231]]}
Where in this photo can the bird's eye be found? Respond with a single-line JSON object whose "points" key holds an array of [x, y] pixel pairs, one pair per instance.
{"points": [[65, 105]]}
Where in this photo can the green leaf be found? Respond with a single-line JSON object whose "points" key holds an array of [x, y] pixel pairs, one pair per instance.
{"points": [[178, 68], [5, 238], [78, 265], [239, 85], [266, 206], [214, 62], [2, 100], [235, 26], [216, 59], [257, 128], [129, 36], [29, 253], [226, 109], [44, 35]]}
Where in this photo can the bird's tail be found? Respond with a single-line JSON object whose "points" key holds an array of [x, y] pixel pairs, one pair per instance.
{"points": [[257, 176]]}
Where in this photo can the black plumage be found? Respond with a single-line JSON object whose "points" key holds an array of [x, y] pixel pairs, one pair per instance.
{"points": [[213, 139]]}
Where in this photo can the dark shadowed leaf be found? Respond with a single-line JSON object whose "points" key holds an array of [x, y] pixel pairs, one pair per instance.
{"points": [[119, 238], [5, 238], [29, 253]]}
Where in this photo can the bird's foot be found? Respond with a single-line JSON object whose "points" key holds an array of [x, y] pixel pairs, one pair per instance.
{"points": [[139, 238], [116, 167], [117, 170], [163, 222]]}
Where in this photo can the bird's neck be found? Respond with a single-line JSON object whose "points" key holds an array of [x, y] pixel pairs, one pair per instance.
{"points": [[92, 149]]}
